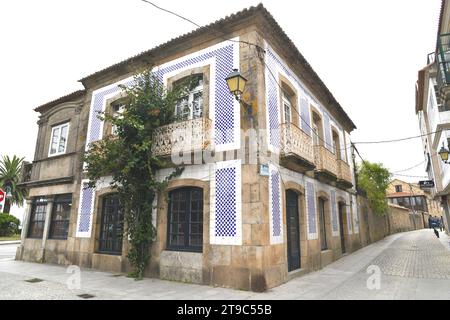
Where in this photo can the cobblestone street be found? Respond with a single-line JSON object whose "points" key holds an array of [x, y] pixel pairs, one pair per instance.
{"points": [[414, 265]]}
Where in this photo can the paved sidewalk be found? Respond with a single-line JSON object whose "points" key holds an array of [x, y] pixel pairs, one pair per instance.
{"points": [[414, 265]]}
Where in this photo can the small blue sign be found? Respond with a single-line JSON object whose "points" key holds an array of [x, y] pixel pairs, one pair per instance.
{"points": [[264, 170]]}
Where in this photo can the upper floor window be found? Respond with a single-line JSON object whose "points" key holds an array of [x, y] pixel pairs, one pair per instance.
{"points": [[190, 106], [398, 188], [317, 129], [117, 111], [58, 142], [287, 108]]}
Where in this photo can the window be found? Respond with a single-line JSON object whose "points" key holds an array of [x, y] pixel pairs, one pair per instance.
{"points": [[111, 226], [316, 128], [323, 229], [287, 107], [58, 142], [406, 201], [398, 188], [117, 111], [185, 219], [59, 225], [37, 218], [191, 106]]}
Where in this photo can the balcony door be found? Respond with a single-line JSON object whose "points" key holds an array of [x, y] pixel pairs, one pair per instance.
{"points": [[293, 233], [190, 106]]}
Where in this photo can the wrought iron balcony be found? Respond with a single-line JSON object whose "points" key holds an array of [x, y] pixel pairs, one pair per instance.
{"points": [[326, 164], [185, 136], [25, 172], [443, 61], [296, 148], [344, 178]]}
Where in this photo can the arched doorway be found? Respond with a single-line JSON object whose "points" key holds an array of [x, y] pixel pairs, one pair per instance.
{"points": [[293, 230], [342, 219]]}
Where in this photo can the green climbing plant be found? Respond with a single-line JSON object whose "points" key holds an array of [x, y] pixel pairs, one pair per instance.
{"points": [[374, 178], [127, 157]]}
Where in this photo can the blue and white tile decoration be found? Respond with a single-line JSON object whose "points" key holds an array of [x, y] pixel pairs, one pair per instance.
{"points": [[224, 109], [311, 210], [305, 99], [226, 204], [85, 211], [334, 214], [275, 206]]}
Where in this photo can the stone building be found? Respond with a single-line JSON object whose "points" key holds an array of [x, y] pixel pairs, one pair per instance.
{"points": [[433, 110], [275, 200], [411, 196]]}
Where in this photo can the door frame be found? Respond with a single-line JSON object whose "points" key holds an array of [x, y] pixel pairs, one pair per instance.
{"points": [[290, 265], [342, 216]]}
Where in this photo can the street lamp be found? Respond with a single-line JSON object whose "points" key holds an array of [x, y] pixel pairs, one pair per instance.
{"points": [[443, 153], [236, 84]]}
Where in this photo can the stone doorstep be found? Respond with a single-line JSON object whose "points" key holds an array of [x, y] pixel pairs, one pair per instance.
{"points": [[10, 242]]}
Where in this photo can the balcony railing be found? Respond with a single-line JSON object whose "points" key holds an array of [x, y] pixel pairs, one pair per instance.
{"points": [[185, 136], [443, 61], [296, 143], [25, 172], [325, 161], [344, 173]]}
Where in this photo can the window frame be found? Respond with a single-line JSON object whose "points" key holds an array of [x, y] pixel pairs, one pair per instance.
{"points": [[322, 224], [116, 114], [186, 247], [54, 128], [38, 201], [60, 199], [398, 188], [190, 99], [118, 218], [286, 102]]}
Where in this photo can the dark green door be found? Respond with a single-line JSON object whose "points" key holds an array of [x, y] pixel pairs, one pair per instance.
{"points": [[341, 226], [293, 234]]}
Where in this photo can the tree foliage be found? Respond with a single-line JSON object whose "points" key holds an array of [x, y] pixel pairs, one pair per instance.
{"points": [[127, 157], [374, 178], [9, 225], [10, 169]]}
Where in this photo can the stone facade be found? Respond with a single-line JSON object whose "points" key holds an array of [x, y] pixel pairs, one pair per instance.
{"points": [[277, 194], [433, 111], [399, 189]]}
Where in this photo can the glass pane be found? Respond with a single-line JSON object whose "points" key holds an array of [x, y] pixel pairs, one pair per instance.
{"points": [[197, 105], [63, 139], [54, 142], [182, 108]]}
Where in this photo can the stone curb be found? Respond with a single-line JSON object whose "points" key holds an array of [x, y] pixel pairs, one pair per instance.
{"points": [[10, 242]]}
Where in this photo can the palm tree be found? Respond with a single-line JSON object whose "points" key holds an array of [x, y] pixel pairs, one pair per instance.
{"points": [[10, 176]]}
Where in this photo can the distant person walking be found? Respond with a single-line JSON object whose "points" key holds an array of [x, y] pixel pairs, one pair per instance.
{"points": [[436, 232]]}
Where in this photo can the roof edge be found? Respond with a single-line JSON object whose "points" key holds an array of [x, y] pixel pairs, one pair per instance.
{"points": [[66, 98]]}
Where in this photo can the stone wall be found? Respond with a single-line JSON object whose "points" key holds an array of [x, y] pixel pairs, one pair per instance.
{"points": [[375, 227]]}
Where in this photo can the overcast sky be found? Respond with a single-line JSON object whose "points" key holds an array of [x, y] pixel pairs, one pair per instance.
{"points": [[366, 52]]}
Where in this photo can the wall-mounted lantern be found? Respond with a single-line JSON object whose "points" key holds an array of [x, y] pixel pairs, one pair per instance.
{"points": [[443, 153], [236, 84]]}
